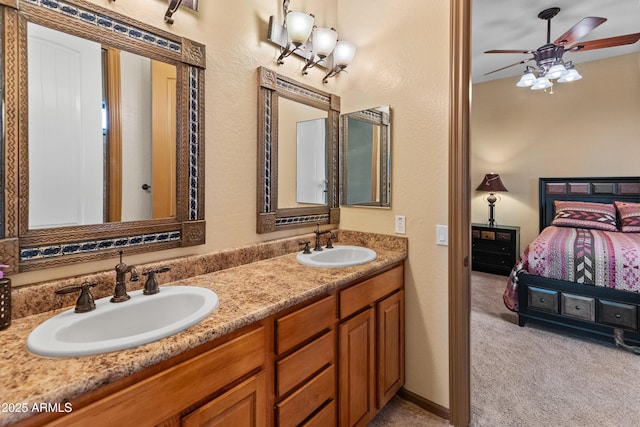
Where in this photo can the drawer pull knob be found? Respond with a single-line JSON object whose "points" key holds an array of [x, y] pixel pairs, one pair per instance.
{"points": [[541, 299], [618, 316], [577, 307]]}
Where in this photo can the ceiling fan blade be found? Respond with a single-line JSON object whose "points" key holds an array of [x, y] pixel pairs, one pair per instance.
{"points": [[581, 29], [608, 42], [508, 51], [508, 66]]}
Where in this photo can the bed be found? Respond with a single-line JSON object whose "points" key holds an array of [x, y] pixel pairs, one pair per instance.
{"points": [[579, 273]]}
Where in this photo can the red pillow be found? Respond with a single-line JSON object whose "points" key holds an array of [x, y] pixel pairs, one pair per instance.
{"points": [[600, 216], [629, 216]]}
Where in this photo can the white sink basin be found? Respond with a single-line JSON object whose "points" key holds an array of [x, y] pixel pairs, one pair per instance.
{"points": [[118, 326], [339, 256]]}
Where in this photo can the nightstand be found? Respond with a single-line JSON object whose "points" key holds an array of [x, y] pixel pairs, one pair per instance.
{"points": [[494, 249]]}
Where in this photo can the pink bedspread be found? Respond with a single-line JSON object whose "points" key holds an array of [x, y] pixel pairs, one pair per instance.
{"points": [[601, 258]]}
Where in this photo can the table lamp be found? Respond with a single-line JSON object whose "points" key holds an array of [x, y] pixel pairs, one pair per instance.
{"points": [[492, 184]]}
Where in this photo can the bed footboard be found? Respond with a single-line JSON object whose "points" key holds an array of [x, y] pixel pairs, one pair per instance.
{"points": [[584, 309]]}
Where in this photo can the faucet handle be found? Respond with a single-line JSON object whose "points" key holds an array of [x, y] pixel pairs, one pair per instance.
{"points": [[329, 241], [85, 302], [307, 249], [151, 285]]}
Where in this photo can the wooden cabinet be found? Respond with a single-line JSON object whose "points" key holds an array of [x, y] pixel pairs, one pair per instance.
{"points": [[390, 336], [242, 406], [162, 398], [357, 369], [305, 371], [370, 346], [494, 249], [334, 360]]}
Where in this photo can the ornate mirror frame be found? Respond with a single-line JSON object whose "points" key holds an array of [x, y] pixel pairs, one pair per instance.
{"points": [[374, 116], [271, 86], [26, 250]]}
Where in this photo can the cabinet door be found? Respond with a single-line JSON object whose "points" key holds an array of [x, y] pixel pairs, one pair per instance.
{"points": [[390, 325], [242, 406], [356, 366]]}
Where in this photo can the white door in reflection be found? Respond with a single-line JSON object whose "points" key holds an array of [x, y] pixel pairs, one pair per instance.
{"points": [[311, 162], [65, 129]]}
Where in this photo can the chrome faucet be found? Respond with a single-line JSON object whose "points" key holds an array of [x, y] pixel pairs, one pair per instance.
{"points": [[120, 292]]}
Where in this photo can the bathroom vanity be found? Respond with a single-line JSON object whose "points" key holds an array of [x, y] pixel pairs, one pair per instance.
{"points": [[289, 345]]}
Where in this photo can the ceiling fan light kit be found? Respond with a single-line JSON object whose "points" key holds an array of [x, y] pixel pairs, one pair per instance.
{"points": [[548, 57]]}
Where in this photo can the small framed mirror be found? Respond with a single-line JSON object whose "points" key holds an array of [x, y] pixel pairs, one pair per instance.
{"points": [[298, 167], [366, 158]]}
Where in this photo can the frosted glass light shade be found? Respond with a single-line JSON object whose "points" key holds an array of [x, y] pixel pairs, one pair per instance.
{"points": [[541, 83], [555, 71], [570, 75], [343, 53], [527, 80], [324, 40], [299, 26]]}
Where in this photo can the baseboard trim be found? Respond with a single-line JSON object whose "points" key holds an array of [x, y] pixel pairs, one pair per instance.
{"points": [[425, 404]]}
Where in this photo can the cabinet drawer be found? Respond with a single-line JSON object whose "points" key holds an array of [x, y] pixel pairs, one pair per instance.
{"points": [[306, 400], [493, 247], [299, 366], [361, 295], [326, 417], [543, 299], [493, 260], [579, 307], [297, 327], [617, 314]]}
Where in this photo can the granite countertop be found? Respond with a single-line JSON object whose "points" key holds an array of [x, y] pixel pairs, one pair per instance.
{"points": [[247, 293]]}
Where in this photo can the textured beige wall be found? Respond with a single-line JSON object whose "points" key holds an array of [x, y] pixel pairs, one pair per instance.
{"points": [[402, 61], [587, 128]]}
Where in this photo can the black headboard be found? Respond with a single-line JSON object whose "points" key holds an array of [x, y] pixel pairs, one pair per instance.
{"points": [[589, 189]]}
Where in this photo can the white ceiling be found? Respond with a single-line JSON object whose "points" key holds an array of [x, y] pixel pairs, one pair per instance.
{"points": [[514, 24]]}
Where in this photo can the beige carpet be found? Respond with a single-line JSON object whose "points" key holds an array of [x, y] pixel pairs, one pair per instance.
{"points": [[538, 376], [534, 376]]}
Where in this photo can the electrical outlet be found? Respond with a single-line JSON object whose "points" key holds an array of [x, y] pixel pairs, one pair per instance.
{"points": [[442, 235], [401, 224]]}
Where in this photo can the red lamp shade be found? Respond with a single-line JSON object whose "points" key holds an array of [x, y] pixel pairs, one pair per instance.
{"points": [[491, 183]]}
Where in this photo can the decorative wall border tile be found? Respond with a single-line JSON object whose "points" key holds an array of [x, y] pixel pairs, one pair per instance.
{"points": [[194, 129], [108, 23], [87, 246]]}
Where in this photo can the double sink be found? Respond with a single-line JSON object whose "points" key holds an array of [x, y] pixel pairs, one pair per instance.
{"points": [[147, 318]]}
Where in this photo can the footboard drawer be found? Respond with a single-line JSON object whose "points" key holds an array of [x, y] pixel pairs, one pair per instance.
{"points": [[579, 307], [543, 299], [617, 314]]}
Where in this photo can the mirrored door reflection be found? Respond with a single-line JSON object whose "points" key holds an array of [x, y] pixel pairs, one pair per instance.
{"points": [[302, 151], [92, 109]]}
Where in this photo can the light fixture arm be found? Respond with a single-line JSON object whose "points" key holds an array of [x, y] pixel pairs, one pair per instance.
{"points": [[334, 73], [310, 63]]}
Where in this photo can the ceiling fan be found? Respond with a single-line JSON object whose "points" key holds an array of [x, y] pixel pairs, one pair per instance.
{"points": [[548, 57]]}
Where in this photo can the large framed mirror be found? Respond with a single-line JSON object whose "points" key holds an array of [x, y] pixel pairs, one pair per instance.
{"points": [[298, 167], [103, 135], [365, 140]]}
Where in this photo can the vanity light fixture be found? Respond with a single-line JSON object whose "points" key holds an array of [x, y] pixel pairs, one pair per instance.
{"points": [[315, 45]]}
